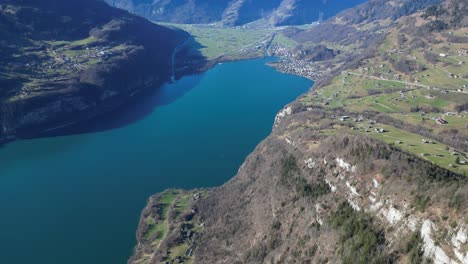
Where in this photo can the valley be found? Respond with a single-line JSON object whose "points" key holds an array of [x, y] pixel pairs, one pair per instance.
{"points": [[379, 143], [102, 108], [78, 197]]}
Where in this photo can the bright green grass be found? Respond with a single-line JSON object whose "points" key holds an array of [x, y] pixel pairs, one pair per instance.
{"points": [[182, 203], [159, 228], [85, 41], [169, 196], [178, 250], [284, 41], [167, 199], [413, 144], [216, 41]]}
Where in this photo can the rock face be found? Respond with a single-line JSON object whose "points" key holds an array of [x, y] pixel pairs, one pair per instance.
{"points": [[285, 203], [282, 206], [79, 59], [317, 190], [237, 12]]}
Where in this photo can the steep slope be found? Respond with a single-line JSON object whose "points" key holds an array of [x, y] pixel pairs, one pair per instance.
{"points": [[296, 12], [235, 12], [369, 167], [64, 62]]}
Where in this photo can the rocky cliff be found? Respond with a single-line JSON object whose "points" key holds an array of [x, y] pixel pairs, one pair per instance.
{"points": [[368, 167]]}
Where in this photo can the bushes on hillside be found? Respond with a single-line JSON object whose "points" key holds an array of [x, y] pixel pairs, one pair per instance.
{"points": [[363, 151], [290, 175], [360, 241], [414, 249]]}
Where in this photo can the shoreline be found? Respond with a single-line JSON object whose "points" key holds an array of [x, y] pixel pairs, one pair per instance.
{"points": [[73, 128]]}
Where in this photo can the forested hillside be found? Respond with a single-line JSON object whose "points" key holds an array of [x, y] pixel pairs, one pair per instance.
{"points": [[237, 12], [65, 62]]}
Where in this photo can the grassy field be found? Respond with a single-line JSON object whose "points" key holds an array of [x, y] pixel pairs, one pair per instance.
{"points": [[172, 204], [46, 61], [214, 42], [160, 227], [416, 98]]}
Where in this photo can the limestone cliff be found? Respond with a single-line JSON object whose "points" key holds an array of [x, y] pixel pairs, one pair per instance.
{"points": [[367, 167]]}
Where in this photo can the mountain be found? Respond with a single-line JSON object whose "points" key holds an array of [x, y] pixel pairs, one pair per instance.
{"points": [[66, 62], [237, 12], [367, 167]]}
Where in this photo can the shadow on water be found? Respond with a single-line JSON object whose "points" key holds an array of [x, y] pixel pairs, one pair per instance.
{"points": [[135, 110], [142, 105]]}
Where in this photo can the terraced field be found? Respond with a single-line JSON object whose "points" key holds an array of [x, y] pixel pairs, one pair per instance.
{"points": [[430, 96]]}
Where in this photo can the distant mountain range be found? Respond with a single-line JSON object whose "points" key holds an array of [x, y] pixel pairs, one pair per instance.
{"points": [[235, 12]]}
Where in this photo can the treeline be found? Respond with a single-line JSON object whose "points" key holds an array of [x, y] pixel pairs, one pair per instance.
{"points": [[450, 14], [363, 151], [462, 107], [360, 241], [405, 65], [457, 140], [291, 176], [381, 9]]}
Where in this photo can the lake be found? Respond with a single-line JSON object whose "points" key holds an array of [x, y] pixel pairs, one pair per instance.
{"points": [[77, 198]]}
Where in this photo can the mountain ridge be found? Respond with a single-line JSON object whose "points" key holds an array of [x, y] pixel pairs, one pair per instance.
{"points": [[359, 170], [238, 12]]}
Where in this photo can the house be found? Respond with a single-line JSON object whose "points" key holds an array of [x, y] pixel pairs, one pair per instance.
{"points": [[380, 130], [441, 121]]}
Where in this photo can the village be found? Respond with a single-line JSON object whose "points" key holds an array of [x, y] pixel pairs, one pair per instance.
{"points": [[291, 65], [57, 59]]}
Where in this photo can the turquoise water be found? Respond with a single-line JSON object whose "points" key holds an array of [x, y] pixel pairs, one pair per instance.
{"points": [[77, 199]]}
